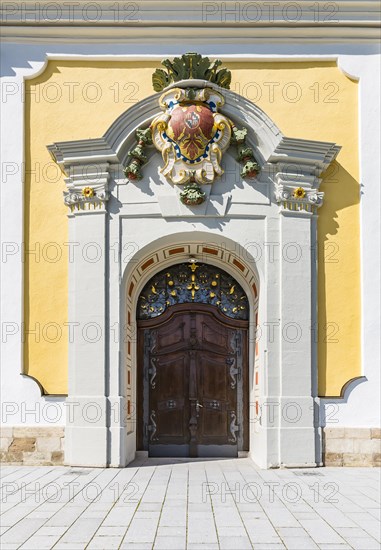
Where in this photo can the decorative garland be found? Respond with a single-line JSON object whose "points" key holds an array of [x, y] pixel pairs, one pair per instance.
{"points": [[136, 156], [192, 194], [245, 153]]}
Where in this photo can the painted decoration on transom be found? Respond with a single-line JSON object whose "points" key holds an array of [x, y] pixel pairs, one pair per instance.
{"points": [[193, 282]]}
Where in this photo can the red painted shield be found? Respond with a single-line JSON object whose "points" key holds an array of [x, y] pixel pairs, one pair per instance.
{"points": [[191, 127]]}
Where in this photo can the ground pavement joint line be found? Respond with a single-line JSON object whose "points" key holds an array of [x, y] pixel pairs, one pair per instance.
{"points": [[137, 507], [62, 478], [36, 474], [204, 528], [162, 506], [269, 519], [9, 470], [107, 473], [233, 500], [62, 505], [17, 510]]}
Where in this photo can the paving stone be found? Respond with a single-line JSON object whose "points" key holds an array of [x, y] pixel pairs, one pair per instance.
{"points": [[81, 531], [235, 542], [346, 532], [141, 530], [167, 507], [271, 546], [135, 546], [68, 546], [363, 543], [179, 531], [224, 531], [48, 532], [170, 543], [111, 531], [201, 546], [300, 543], [21, 531], [104, 543], [286, 532], [40, 542]]}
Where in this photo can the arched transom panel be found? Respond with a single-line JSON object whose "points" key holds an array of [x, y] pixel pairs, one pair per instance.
{"points": [[193, 283]]}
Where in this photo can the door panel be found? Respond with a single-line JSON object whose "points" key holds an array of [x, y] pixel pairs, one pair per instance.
{"points": [[172, 337], [213, 336], [217, 398], [166, 398], [191, 382]]}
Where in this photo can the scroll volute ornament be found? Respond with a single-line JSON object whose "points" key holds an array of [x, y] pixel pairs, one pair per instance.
{"points": [[191, 135]]}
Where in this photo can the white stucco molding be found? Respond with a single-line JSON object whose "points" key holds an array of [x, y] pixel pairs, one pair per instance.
{"points": [[293, 165], [87, 177], [298, 167], [301, 21]]}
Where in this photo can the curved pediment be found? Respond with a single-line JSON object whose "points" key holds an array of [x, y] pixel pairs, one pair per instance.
{"points": [[198, 127], [263, 134]]}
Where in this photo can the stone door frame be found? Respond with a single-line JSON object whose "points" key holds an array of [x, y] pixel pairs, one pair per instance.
{"points": [[286, 371]]}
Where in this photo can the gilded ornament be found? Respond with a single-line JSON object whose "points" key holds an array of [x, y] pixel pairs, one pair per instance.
{"points": [[191, 135], [193, 282], [299, 193], [88, 192]]}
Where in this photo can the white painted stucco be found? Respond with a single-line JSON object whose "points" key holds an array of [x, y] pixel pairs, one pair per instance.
{"points": [[359, 59]]}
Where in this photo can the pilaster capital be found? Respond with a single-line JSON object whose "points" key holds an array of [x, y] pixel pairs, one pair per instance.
{"points": [[296, 166], [87, 186], [297, 194], [86, 166]]}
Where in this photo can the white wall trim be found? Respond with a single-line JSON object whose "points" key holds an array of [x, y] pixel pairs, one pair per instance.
{"points": [[353, 59]]}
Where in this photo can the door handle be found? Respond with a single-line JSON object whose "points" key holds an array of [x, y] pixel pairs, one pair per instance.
{"points": [[198, 405]]}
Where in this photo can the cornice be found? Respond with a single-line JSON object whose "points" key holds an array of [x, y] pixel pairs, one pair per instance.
{"points": [[338, 21], [294, 166]]}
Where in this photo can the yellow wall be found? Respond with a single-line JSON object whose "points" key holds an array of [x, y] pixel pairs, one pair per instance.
{"points": [[75, 100]]}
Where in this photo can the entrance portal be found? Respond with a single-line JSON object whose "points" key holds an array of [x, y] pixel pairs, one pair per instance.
{"points": [[193, 380]]}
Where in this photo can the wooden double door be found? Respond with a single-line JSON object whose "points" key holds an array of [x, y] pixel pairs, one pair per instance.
{"points": [[192, 383]]}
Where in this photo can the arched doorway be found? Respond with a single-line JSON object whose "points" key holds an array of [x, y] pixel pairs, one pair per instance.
{"points": [[193, 395]]}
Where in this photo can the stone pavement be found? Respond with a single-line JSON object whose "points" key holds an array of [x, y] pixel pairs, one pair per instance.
{"points": [[189, 504]]}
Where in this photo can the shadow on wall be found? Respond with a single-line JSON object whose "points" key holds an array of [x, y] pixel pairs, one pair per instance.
{"points": [[342, 191]]}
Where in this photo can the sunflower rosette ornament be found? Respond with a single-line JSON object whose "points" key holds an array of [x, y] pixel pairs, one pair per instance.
{"points": [[299, 193], [191, 135], [88, 192]]}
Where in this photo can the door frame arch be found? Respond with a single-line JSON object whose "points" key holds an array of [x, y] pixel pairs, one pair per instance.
{"points": [[174, 249]]}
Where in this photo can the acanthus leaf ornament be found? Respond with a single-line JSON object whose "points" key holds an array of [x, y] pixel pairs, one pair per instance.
{"points": [[190, 66]]}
